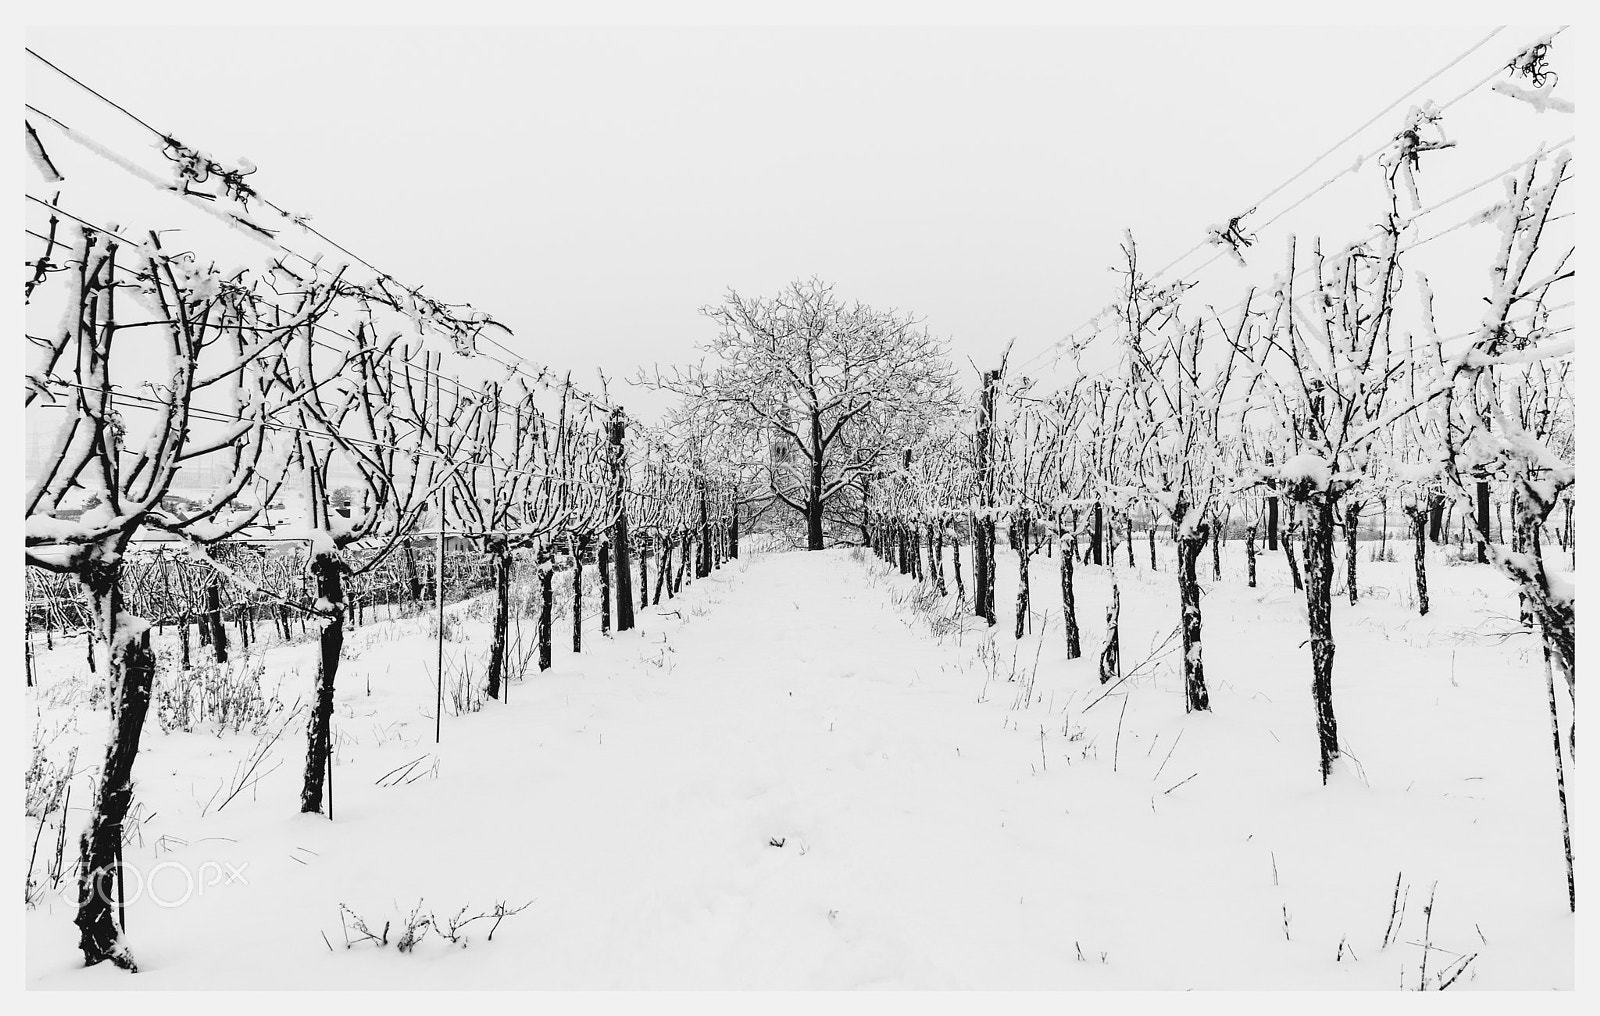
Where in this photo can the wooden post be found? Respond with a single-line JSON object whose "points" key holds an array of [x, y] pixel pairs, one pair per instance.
{"points": [[438, 596]]}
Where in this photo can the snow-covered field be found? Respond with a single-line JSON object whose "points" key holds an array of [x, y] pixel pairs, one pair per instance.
{"points": [[788, 778]]}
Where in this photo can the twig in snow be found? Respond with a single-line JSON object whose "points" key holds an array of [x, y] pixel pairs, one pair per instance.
{"points": [[1180, 783], [407, 767], [1459, 970], [1394, 910], [262, 751], [501, 913], [1170, 750], [1130, 675], [1427, 936], [1116, 748]]}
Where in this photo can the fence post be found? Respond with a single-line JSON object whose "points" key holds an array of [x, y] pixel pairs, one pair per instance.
{"points": [[438, 595]]}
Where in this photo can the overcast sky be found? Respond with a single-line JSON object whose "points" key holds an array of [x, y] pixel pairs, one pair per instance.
{"points": [[593, 188]]}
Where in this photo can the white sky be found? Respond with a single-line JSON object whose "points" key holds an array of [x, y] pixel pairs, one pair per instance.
{"points": [[592, 188]]}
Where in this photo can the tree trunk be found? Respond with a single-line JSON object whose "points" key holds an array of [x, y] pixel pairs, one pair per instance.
{"points": [[1020, 544], [913, 534], [814, 495], [1319, 614], [1419, 531], [1436, 530], [1483, 521], [1216, 552], [983, 529], [132, 667], [1196, 696], [1521, 529], [1561, 776], [1383, 532], [620, 540], [603, 561], [1557, 617], [1272, 523], [733, 532], [1250, 555], [328, 571], [413, 580], [702, 566], [1352, 520], [644, 572], [577, 595], [1570, 544], [988, 570], [500, 573], [1069, 599], [936, 555], [547, 598], [980, 566], [955, 562], [663, 569], [1111, 655], [1099, 533], [217, 630], [683, 564], [1288, 553]]}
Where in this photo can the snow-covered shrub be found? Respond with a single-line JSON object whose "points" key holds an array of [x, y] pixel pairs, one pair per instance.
{"points": [[464, 689], [60, 694], [45, 781], [414, 927], [452, 627], [224, 697]]}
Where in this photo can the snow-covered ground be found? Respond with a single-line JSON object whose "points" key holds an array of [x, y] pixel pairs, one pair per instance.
{"points": [[953, 810]]}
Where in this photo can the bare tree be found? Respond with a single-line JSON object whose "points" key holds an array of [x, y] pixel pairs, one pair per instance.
{"points": [[1177, 395], [1504, 414], [839, 385], [126, 450], [388, 428]]}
